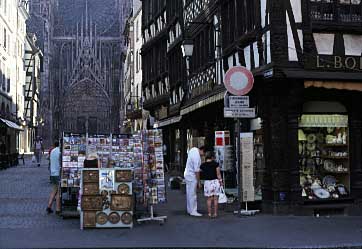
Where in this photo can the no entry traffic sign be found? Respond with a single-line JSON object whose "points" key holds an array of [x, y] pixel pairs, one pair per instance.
{"points": [[238, 80]]}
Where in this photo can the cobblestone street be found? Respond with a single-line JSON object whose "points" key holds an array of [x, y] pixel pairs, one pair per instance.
{"points": [[24, 192], [25, 224]]}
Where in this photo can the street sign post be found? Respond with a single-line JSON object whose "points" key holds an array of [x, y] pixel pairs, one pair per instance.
{"points": [[239, 81]]}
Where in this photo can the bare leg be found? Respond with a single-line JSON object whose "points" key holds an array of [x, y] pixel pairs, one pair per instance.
{"points": [[57, 201], [216, 203], [209, 203], [51, 198]]}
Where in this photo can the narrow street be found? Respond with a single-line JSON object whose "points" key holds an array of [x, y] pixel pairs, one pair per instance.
{"points": [[24, 224]]}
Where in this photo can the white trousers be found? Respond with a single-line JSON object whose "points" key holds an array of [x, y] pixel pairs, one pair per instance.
{"points": [[191, 196]]}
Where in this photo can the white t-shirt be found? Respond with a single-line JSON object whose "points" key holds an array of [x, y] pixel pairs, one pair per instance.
{"points": [[55, 162], [38, 145], [192, 164]]}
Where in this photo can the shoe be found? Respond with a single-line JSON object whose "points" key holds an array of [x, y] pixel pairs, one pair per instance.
{"points": [[38, 165], [49, 210], [196, 214], [57, 212]]}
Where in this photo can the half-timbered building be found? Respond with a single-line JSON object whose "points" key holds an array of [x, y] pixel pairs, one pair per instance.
{"points": [[306, 59]]}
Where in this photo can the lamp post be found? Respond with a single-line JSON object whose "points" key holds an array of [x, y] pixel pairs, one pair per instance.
{"points": [[187, 48]]}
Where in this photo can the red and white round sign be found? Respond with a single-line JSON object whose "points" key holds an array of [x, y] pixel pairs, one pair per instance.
{"points": [[238, 80]]}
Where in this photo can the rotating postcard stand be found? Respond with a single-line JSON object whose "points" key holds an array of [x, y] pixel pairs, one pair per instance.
{"points": [[154, 189], [160, 219]]}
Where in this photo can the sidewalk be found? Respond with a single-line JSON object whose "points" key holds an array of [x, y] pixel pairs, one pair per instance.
{"points": [[24, 224]]}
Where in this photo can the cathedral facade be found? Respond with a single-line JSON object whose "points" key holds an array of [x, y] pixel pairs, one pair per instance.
{"points": [[82, 44]]}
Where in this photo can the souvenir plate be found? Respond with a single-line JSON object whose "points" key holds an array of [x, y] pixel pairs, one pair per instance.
{"points": [[114, 218], [311, 138], [101, 218], [123, 189], [121, 202], [329, 180], [342, 189], [321, 193], [126, 218]]}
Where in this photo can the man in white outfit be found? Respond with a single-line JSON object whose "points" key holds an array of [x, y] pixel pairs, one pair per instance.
{"points": [[192, 178]]}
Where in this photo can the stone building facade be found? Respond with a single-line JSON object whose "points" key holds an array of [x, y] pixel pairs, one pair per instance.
{"points": [[82, 47]]}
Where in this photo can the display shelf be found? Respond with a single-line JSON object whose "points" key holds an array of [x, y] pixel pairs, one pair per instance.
{"points": [[335, 157], [323, 160], [336, 172], [335, 145]]}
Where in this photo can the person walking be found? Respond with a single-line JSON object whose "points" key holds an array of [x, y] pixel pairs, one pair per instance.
{"points": [[38, 150], [192, 178], [54, 176], [211, 174]]}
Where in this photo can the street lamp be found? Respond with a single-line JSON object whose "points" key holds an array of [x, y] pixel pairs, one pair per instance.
{"points": [[187, 48]]}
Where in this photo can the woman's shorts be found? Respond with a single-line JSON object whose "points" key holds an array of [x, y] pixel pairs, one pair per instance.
{"points": [[211, 187]]}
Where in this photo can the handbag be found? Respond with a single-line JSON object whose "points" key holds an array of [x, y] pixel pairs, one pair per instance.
{"points": [[222, 196]]}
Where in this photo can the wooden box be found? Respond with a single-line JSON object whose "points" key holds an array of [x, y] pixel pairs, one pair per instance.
{"points": [[123, 175], [90, 176], [91, 188], [92, 202], [121, 202], [89, 219]]}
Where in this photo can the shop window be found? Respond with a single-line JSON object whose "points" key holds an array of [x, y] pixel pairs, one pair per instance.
{"points": [[324, 156], [337, 11]]}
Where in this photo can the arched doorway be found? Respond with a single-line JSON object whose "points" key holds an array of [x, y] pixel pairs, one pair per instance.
{"points": [[86, 108]]}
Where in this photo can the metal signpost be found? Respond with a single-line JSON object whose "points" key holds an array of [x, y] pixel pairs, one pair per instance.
{"points": [[239, 81]]}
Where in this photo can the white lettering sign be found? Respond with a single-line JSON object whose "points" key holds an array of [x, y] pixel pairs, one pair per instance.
{"points": [[239, 101], [239, 112]]}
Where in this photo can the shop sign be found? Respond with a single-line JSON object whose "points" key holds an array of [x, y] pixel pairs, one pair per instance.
{"points": [[239, 112], [238, 81], [339, 62], [238, 101], [247, 166]]}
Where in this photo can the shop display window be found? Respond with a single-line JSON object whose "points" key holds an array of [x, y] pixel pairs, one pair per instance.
{"points": [[324, 156]]}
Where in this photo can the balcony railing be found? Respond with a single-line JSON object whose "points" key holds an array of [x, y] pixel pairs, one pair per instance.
{"points": [[336, 11]]}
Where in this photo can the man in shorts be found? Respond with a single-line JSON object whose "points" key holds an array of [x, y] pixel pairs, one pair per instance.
{"points": [[54, 178]]}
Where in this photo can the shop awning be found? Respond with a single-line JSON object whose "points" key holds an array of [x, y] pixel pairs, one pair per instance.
{"points": [[11, 124], [340, 85], [169, 121], [203, 103]]}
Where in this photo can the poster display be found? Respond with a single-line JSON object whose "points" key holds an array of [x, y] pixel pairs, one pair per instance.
{"points": [[73, 156], [153, 167], [141, 153], [247, 166]]}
